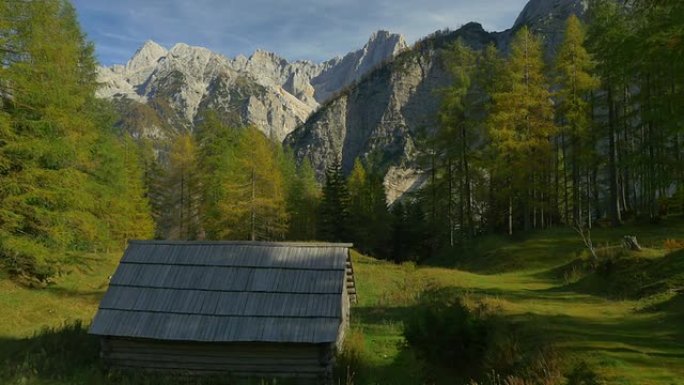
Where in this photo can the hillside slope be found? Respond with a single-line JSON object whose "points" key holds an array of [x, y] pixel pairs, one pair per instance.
{"points": [[379, 118]]}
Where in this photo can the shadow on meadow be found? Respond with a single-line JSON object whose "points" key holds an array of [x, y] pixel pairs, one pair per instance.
{"points": [[70, 356]]}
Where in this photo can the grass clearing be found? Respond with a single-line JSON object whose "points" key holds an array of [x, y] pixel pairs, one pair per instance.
{"points": [[73, 296], [633, 341]]}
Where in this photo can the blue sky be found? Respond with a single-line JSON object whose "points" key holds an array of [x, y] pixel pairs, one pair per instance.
{"points": [[296, 29]]}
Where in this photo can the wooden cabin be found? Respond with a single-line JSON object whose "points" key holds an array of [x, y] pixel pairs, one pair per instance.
{"points": [[243, 309]]}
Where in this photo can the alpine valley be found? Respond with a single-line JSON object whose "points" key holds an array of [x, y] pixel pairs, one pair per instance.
{"points": [[370, 104]]}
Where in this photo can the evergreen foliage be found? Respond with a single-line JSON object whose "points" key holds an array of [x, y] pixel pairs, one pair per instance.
{"points": [[334, 209]]}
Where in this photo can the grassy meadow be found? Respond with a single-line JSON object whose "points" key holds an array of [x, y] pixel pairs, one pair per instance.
{"points": [[627, 323], [624, 337]]}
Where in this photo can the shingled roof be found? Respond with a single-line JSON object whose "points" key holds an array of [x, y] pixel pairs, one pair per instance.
{"points": [[226, 292]]}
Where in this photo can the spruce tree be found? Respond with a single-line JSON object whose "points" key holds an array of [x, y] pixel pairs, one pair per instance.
{"points": [[334, 209]]}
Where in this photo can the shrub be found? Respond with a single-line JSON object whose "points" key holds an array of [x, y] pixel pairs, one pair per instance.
{"points": [[477, 341], [445, 331], [582, 374]]}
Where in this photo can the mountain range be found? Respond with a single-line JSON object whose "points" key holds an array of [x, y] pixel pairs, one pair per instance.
{"points": [[172, 88], [370, 104]]}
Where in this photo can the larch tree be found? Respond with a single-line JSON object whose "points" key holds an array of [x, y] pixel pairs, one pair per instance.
{"points": [[53, 187], [608, 29], [254, 206], [183, 190], [521, 125], [458, 136], [576, 83]]}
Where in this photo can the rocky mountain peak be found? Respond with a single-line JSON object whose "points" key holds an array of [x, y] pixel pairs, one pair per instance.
{"points": [[146, 56], [387, 39], [182, 50], [263, 89], [540, 13]]}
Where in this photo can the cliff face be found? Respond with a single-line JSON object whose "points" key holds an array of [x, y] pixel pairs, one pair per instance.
{"points": [[264, 90], [379, 118]]}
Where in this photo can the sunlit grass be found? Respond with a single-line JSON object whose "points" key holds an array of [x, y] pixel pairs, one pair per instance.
{"points": [[636, 341], [73, 296]]}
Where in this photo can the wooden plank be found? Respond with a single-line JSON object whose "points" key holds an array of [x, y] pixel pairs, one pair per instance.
{"points": [[312, 360], [217, 367]]}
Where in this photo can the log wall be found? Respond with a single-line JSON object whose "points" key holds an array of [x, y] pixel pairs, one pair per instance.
{"points": [[312, 363]]}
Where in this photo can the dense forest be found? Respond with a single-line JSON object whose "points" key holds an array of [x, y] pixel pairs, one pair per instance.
{"points": [[589, 135]]}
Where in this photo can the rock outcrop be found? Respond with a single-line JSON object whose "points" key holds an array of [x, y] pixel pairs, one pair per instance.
{"points": [[380, 118]]}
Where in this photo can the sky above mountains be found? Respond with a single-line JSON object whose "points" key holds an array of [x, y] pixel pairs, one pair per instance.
{"points": [[314, 30]]}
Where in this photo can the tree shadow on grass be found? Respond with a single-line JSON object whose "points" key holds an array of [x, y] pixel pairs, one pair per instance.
{"points": [[52, 354], [90, 295], [70, 356]]}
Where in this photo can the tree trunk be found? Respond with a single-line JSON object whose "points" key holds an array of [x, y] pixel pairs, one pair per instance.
{"points": [[466, 172], [510, 215], [252, 230], [614, 202]]}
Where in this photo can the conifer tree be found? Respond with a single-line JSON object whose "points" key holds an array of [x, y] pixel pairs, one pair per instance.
{"points": [[303, 199], [254, 205], [217, 144], [334, 209], [368, 213], [573, 67], [183, 190], [58, 198], [521, 125], [457, 136]]}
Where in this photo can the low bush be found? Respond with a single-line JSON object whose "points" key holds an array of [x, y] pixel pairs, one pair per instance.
{"points": [[475, 341]]}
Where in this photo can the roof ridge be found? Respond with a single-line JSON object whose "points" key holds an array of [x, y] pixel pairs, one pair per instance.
{"points": [[241, 243], [236, 266]]}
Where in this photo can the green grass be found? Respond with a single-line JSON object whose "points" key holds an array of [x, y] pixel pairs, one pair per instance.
{"points": [[72, 297], [539, 279], [637, 341]]}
